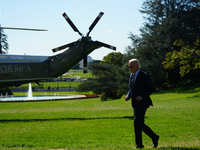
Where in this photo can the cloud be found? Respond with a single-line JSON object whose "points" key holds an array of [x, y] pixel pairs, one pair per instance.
{"points": [[110, 31]]}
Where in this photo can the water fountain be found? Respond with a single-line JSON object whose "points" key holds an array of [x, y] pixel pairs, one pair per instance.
{"points": [[30, 93], [44, 97]]}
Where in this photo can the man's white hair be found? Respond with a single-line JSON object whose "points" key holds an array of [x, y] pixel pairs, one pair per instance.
{"points": [[135, 61]]}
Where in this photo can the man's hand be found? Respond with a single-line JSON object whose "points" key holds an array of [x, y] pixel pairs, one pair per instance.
{"points": [[138, 98], [126, 98]]}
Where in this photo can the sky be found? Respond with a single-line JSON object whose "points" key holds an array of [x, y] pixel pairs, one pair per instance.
{"points": [[119, 19]]}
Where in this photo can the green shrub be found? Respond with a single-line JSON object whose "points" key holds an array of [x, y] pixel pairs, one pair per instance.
{"points": [[3, 91]]}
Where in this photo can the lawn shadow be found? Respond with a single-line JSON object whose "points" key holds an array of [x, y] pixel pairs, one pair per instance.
{"points": [[58, 119], [179, 148], [195, 96], [179, 89]]}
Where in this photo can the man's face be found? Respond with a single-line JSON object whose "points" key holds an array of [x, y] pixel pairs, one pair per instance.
{"points": [[133, 66]]}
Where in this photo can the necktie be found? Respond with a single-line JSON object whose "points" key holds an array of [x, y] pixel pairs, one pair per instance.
{"points": [[133, 77], [132, 80]]}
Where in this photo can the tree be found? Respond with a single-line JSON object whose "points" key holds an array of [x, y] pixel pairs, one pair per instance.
{"points": [[114, 58], [187, 58], [5, 91], [111, 81], [77, 66], [3, 42], [93, 62], [166, 22]]}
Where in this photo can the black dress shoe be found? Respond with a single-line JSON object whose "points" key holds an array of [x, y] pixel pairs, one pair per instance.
{"points": [[155, 141], [139, 146]]}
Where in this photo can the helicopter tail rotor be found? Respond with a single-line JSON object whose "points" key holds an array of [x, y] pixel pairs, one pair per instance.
{"points": [[71, 24], [85, 40], [105, 45], [95, 22], [85, 63], [63, 47]]}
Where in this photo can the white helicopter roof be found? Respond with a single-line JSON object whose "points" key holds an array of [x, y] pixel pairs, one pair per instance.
{"points": [[5, 58]]}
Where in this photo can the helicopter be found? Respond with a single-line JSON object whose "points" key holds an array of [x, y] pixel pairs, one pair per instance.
{"points": [[16, 70]]}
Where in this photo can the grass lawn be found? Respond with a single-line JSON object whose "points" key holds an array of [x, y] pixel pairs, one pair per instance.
{"points": [[92, 124], [79, 73]]}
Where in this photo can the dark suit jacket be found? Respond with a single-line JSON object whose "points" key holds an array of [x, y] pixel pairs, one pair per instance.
{"points": [[142, 87]]}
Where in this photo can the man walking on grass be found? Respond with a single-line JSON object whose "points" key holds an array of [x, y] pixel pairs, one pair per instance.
{"points": [[140, 89]]}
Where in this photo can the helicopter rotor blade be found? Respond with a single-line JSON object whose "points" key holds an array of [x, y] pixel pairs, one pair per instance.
{"points": [[85, 63], [63, 47], [95, 22], [23, 29], [71, 24], [105, 45]]}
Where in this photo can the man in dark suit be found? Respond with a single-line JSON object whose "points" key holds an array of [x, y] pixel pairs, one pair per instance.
{"points": [[140, 89]]}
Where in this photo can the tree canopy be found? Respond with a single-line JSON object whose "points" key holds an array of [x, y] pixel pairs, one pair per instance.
{"points": [[114, 58], [187, 58], [110, 81], [3, 44], [166, 21]]}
